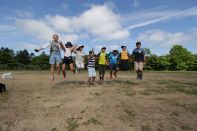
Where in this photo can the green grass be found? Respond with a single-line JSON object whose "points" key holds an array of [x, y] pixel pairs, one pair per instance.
{"points": [[72, 124], [92, 120]]}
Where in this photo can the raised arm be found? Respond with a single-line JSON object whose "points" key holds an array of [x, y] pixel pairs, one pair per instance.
{"points": [[75, 48], [61, 46], [43, 47]]}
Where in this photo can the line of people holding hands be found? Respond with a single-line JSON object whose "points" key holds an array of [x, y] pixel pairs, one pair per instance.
{"points": [[74, 56]]}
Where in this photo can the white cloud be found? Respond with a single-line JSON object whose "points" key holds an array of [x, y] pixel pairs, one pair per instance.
{"points": [[98, 47], [28, 46], [5, 28], [99, 21], [113, 47], [59, 23], [36, 28], [69, 37], [158, 40], [163, 15]]}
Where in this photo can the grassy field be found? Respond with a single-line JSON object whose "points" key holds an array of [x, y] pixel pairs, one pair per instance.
{"points": [[162, 101]]}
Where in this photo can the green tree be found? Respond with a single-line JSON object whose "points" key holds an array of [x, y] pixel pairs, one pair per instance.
{"points": [[22, 57], [6, 55], [42, 61], [147, 51], [193, 66], [180, 58]]}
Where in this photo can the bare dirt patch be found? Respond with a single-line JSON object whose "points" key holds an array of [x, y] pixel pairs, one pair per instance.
{"points": [[162, 101]]}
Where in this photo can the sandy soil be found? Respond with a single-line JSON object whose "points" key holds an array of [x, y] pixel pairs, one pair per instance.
{"points": [[162, 101]]}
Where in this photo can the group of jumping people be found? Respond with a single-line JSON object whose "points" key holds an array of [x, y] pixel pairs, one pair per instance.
{"points": [[74, 57]]}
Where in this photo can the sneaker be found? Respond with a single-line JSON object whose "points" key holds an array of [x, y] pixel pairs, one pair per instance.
{"points": [[138, 76], [141, 76]]}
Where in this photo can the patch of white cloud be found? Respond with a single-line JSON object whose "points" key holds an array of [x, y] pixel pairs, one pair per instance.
{"points": [[37, 28], [162, 16], [99, 21], [59, 23], [158, 39], [28, 46]]}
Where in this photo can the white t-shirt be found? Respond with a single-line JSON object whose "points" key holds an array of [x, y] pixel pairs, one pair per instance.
{"points": [[67, 53], [79, 56]]}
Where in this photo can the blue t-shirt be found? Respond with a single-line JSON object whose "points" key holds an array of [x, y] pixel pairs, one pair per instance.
{"points": [[138, 54], [113, 59]]}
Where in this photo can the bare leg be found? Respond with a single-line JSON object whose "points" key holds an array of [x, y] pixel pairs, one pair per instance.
{"points": [[93, 79], [100, 72], [110, 74], [52, 71], [115, 73], [71, 67], [89, 80], [140, 74], [58, 69], [63, 71]]}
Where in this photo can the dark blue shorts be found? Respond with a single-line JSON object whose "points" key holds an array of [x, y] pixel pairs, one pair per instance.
{"points": [[113, 66]]}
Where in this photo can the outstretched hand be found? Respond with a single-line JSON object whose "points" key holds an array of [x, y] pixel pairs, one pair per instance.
{"points": [[36, 50]]}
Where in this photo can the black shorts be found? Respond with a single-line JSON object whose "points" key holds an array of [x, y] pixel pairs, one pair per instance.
{"points": [[67, 60]]}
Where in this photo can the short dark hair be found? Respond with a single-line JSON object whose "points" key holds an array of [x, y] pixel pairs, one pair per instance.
{"points": [[138, 43], [90, 52]]}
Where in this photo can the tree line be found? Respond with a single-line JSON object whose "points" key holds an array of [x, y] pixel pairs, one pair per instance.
{"points": [[178, 58]]}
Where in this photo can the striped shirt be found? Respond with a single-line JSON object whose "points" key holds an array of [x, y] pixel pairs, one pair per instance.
{"points": [[91, 62]]}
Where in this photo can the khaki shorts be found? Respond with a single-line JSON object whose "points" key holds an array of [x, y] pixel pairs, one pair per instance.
{"points": [[138, 65]]}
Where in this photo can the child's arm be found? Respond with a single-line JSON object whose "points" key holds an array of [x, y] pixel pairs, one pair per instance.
{"points": [[61, 46], [75, 49], [72, 48], [43, 47]]}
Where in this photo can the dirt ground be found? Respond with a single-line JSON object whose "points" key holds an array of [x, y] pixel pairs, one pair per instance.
{"points": [[162, 101]]}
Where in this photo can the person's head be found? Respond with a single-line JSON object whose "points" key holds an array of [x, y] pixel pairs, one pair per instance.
{"points": [[91, 54], [123, 48], [69, 45], [138, 44], [80, 48], [103, 49], [55, 37], [115, 52]]}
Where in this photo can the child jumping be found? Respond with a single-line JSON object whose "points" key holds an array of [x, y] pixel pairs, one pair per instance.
{"points": [[102, 63], [67, 58], [79, 60], [113, 63], [55, 55], [91, 67], [124, 59], [139, 58]]}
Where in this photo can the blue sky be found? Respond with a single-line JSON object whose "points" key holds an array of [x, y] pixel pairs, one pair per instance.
{"points": [[158, 24]]}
